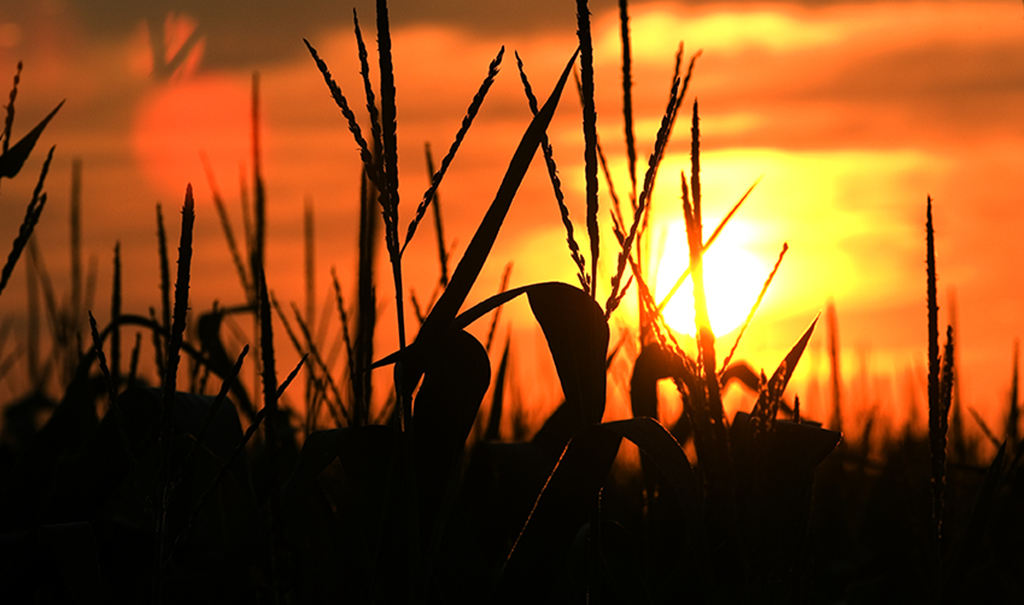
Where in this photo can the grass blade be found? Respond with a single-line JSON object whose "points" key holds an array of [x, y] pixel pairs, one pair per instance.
{"points": [[225, 224], [768, 402], [479, 247], [442, 249], [753, 309], [936, 438], [279, 556], [353, 125], [5, 136], [165, 290], [549, 160], [505, 275], [320, 362], [711, 240], [371, 103], [467, 121], [833, 355], [627, 95], [493, 430], [1013, 417], [299, 349], [14, 157], [76, 243], [32, 213], [676, 95]]}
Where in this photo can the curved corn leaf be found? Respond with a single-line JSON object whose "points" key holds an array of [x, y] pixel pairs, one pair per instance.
{"points": [[742, 372], [654, 363], [465, 274], [455, 380], [492, 432], [577, 335]]}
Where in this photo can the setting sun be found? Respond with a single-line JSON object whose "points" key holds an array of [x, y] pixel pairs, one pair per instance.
{"points": [[732, 279]]}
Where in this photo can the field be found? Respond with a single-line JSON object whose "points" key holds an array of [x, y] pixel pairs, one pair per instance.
{"points": [[154, 457]]}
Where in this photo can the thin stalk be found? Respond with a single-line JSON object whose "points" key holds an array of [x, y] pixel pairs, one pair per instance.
{"points": [[257, 252], [753, 309], [32, 291], [165, 288], [366, 303], [549, 160], [133, 366], [308, 237], [505, 276], [5, 137], [389, 193], [959, 440], [76, 244], [627, 95], [936, 437], [32, 213], [299, 349], [467, 121], [707, 245], [225, 223], [833, 355], [679, 87], [360, 414], [371, 102], [319, 361], [442, 252], [115, 312], [279, 560], [589, 134], [715, 416], [1013, 418], [170, 382], [390, 201]]}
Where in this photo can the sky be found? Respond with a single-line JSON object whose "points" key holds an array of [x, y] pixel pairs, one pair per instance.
{"points": [[849, 113]]}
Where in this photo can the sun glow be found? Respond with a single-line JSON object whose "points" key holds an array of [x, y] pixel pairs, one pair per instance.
{"points": [[733, 278]]}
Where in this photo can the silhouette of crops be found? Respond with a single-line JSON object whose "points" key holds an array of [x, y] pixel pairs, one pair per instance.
{"points": [[130, 490]]}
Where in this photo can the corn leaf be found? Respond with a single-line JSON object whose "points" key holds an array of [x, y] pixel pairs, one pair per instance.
{"points": [[12, 161], [479, 247]]}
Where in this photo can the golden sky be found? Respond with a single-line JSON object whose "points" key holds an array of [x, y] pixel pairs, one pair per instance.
{"points": [[850, 113]]}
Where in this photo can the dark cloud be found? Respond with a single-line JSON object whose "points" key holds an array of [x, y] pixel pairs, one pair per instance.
{"points": [[242, 33], [245, 33]]}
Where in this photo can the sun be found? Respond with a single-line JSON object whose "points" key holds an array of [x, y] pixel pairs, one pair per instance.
{"points": [[733, 277], [177, 120]]}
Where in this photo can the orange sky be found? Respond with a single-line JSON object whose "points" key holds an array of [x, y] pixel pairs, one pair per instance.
{"points": [[851, 112]]}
